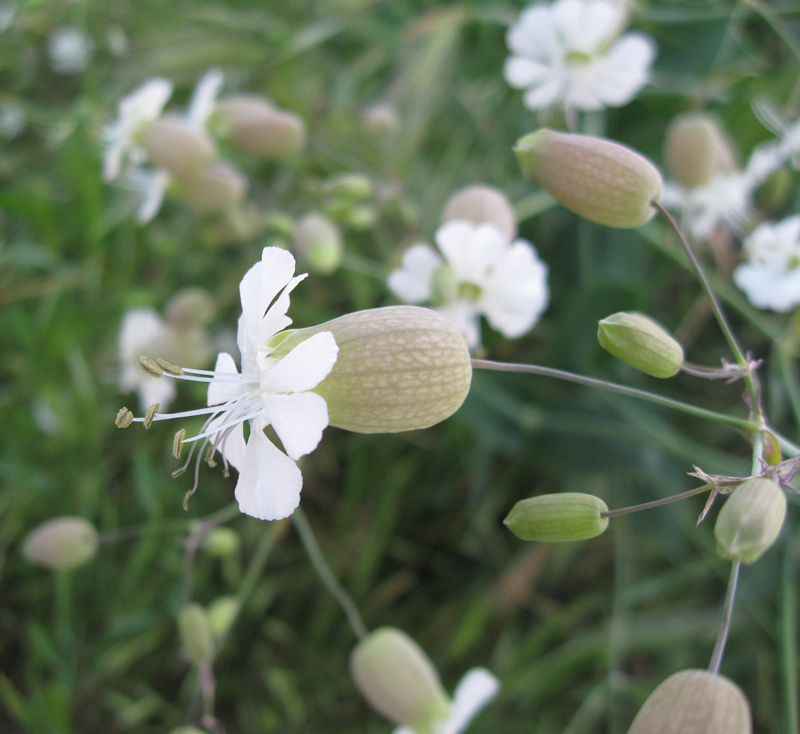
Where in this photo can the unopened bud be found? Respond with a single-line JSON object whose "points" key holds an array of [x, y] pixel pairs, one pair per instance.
{"points": [[381, 119], [190, 307], [694, 702], [556, 517], [697, 149], [214, 188], [399, 368], [195, 633], [399, 681], [641, 343], [221, 542], [350, 186], [317, 240], [65, 542], [482, 204], [598, 179], [259, 128], [222, 614], [750, 520], [177, 146]]}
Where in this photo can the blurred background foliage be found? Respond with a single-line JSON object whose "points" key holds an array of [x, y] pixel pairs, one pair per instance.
{"points": [[410, 523]]}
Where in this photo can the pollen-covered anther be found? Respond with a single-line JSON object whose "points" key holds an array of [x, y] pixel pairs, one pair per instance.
{"points": [[169, 367], [148, 416], [151, 366], [124, 418], [177, 443]]}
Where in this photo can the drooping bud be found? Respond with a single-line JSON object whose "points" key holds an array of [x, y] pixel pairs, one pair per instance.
{"points": [[215, 188], [350, 186], [381, 119], [190, 307], [481, 204], [558, 517], [259, 128], [641, 343], [399, 368], [750, 520], [694, 702], [318, 241], [221, 542], [696, 149], [177, 146], [398, 680], [65, 542], [222, 614], [598, 179], [195, 633]]}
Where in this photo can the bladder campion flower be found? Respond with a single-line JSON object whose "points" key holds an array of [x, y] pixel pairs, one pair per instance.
{"points": [[479, 272]]}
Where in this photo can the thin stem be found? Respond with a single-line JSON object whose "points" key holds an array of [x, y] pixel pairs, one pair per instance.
{"points": [[656, 503], [745, 424], [769, 15], [789, 640], [727, 616], [325, 574]]}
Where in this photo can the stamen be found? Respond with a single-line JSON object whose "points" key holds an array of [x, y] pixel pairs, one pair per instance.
{"points": [[169, 368], [148, 416], [124, 418], [177, 443], [150, 366]]}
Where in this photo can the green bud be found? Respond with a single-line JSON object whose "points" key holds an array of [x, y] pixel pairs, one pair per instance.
{"points": [[482, 204], [694, 702], [259, 128], [381, 119], [177, 146], [221, 615], [750, 520], [641, 343], [215, 188], [399, 681], [557, 517], [350, 186], [399, 368], [696, 149], [222, 542], [195, 633], [65, 542], [598, 179], [317, 240]]}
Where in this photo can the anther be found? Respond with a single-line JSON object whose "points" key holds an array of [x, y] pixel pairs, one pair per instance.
{"points": [[150, 366], [177, 443], [169, 367], [148, 416], [124, 418]]}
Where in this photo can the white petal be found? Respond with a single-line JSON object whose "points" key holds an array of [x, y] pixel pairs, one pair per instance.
{"points": [[221, 391], [471, 250], [204, 98], [767, 287], [546, 94], [159, 390], [154, 192], [232, 447], [298, 420], [259, 287], [618, 76], [269, 481], [533, 34], [464, 316], [308, 364], [412, 281], [476, 689], [521, 72]]}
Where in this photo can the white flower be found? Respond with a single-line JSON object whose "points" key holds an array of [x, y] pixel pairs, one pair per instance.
{"points": [[142, 332], [204, 98], [568, 53], [480, 273], [475, 690], [69, 49], [268, 391], [140, 107], [771, 276]]}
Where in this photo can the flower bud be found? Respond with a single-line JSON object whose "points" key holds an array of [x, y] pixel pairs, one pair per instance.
{"points": [[221, 542], [399, 368], [190, 307], [318, 241], [750, 520], [214, 188], [195, 633], [556, 517], [398, 680], [221, 615], [481, 204], [65, 542], [697, 149], [259, 128], [381, 119], [177, 146], [694, 702], [641, 343], [598, 179], [350, 186]]}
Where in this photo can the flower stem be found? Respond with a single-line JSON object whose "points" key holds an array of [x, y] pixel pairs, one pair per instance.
{"points": [[325, 574], [656, 503], [727, 616], [533, 369]]}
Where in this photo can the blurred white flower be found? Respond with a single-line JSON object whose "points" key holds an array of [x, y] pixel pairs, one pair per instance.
{"points": [[69, 50], [139, 108], [770, 277], [479, 272], [204, 98], [569, 53], [7, 12], [12, 119]]}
